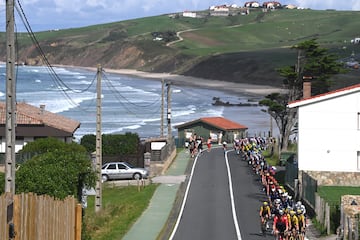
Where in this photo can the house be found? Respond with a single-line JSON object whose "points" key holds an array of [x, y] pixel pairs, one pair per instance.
{"points": [[271, 4], [219, 128], [252, 4], [189, 14], [290, 6], [35, 122], [222, 10], [329, 136]]}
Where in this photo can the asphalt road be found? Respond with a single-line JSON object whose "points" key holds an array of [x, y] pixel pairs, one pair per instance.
{"points": [[222, 200]]}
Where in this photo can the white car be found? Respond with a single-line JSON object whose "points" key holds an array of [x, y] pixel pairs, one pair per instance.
{"points": [[122, 170]]}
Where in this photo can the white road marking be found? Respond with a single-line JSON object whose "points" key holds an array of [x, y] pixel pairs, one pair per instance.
{"points": [[236, 223], [184, 200]]}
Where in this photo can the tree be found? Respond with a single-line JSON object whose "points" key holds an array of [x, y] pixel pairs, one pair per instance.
{"points": [[57, 169], [313, 63], [113, 144]]}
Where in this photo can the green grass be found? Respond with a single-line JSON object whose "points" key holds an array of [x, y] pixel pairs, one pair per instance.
{"points": [[332, 195], [254, 31], [121, 207]]}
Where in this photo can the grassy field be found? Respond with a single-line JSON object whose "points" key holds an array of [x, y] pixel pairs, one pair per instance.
{"points": [[333, 194], [239, 48], [122, 206]]}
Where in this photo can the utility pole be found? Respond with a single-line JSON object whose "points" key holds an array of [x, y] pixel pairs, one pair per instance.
{"points": [[98, 190], [10, 100], [10, 159], [162, 108], [169, 110]]}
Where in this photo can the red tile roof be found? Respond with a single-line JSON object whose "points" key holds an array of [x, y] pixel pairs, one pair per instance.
{"points": [[219, 122], [30, 115], [324, 96]]}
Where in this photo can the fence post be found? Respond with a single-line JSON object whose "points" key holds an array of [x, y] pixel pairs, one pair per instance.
{"points": [[327, 218], [78, 221]]}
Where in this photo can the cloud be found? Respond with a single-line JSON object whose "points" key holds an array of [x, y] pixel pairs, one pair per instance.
{"points": [[330, 4]]}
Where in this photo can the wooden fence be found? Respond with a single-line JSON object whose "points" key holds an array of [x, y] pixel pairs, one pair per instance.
{"points": [[322, 211], [40, 217]]}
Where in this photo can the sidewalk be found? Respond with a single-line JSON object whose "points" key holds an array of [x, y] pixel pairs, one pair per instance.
{"points": [[155, 217]]}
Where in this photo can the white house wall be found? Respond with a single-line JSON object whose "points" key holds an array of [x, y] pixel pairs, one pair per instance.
{"points": [[329, 138]]}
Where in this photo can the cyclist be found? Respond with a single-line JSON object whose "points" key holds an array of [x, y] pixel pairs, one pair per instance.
{"points": [[280, 225], [302, 225], [294, 224], [265, 214], [224, 146]]}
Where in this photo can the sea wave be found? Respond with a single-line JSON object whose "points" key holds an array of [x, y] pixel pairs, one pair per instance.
{"points": [[128, 103]]}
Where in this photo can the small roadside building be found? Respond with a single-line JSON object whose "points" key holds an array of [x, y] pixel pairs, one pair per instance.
{"points": [[35, 122], [329, 136], [219, 128]]}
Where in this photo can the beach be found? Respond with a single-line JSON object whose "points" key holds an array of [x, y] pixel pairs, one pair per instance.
{"points": [[181, 80]]}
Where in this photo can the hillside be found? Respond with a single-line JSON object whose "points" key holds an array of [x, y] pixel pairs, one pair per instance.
{"points": [[239, 48]]}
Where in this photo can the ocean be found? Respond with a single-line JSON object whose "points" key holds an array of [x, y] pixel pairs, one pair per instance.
{"points": [[129, 104]]}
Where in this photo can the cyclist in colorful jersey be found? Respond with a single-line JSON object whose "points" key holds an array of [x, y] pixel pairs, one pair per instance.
{"points": [[302, 225], [280, 225], [294, 223], [265, 212]]}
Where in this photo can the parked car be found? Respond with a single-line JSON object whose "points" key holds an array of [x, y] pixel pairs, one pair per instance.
{"points": [[122, 170]]}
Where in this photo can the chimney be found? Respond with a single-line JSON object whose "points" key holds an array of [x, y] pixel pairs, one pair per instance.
{"points": [[42, 108], [306, 87]]}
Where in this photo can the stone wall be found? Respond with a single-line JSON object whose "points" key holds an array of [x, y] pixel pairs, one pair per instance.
{"points": [[350, 204], [335, 178], [350, 210]]}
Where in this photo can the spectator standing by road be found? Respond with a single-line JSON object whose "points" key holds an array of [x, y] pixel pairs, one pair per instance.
{"points": [[208, 143], [224, 146]]}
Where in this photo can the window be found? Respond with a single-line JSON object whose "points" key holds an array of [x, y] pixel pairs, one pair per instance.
{"points": [[112, 166], [358, 160], [121, 166]]}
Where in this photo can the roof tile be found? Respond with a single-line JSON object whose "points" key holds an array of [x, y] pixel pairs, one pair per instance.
{"points": [[28, 114]]}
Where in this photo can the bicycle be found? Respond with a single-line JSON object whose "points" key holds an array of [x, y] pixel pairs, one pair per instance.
{"points": [[279, 235], [294, 235], [265, 225]]}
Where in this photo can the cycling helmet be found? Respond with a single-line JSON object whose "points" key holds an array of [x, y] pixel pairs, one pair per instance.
{"points": [[299, 211], [292, 212], [277, 201], [265, 203], [281, 212]]}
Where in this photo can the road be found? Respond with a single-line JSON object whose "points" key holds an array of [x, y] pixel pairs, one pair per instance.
{"points": [[222, 200]]}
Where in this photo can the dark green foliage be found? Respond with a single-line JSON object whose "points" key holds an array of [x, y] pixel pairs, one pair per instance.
{"points": [[113, 144], [166, 36], [318, 64], [313, 63], [2, 183], [56, 169], [89, 142]]}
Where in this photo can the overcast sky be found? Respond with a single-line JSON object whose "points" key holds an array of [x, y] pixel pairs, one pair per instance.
{"points": [[60, 14]]}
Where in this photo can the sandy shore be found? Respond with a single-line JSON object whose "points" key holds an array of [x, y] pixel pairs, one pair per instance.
{"points": [[180, 80]]}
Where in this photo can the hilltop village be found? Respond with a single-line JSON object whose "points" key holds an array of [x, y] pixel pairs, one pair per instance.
{"points": [[234, 9]]}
